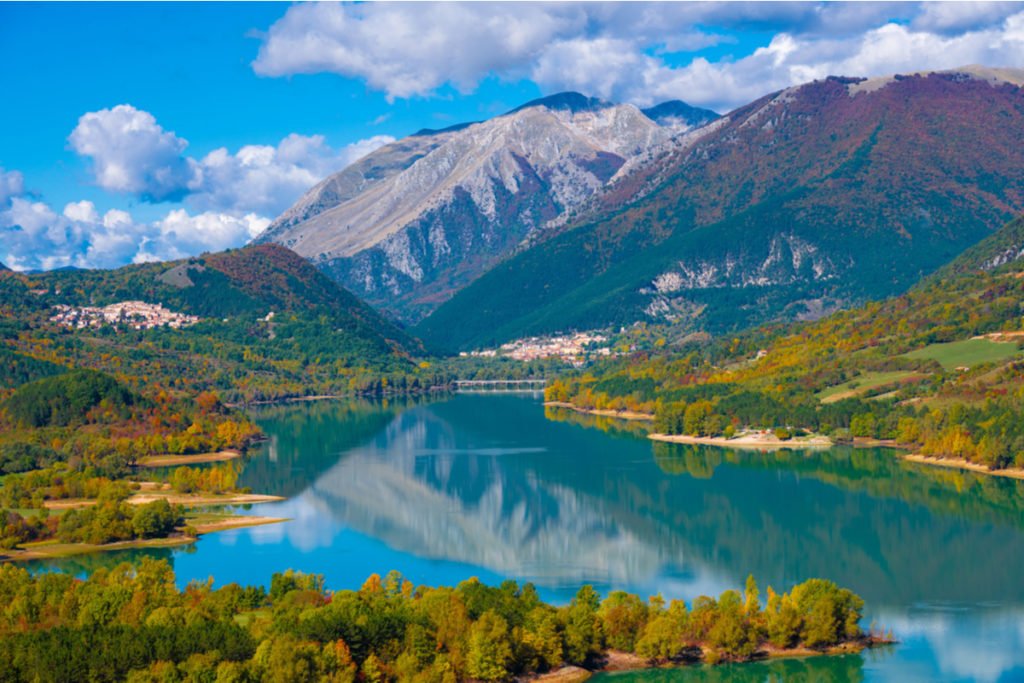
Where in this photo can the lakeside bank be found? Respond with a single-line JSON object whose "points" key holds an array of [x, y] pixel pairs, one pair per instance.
{"points": [[199, 459], [764, 441], [617, 661], [43, 550], [758, 441]]}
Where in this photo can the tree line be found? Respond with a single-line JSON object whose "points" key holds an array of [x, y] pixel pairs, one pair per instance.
{"points": [[132, 623]]}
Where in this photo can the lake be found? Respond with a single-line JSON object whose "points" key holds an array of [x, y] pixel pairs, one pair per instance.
{"points": [[498, 486]]}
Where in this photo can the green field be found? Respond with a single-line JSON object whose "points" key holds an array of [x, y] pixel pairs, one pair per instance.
{"points": [[861, 384], [967, 353]]}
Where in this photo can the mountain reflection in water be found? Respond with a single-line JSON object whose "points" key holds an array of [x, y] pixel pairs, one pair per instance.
{"points": [[497, 486]]}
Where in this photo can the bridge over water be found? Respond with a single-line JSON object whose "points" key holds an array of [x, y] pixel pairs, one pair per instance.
{"points": [[500, 384]]}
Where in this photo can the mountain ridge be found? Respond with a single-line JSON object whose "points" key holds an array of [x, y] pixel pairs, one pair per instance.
{"points": [[790, 187], [410, 224]]}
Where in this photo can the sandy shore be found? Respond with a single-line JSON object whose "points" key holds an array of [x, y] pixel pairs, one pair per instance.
{"points": [[754, 441], [566, 674], [238, 522], [201, 458], [186, 499], [621, 414], [961, 464]]}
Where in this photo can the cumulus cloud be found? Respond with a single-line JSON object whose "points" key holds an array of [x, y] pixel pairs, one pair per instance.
{"points": [[891, 48], [229, 197], [180, 234], [266, 179], [954, 17], [412, 49], [608, 69], [131, 153], [33, 236], [11, 183], [619, 50]]}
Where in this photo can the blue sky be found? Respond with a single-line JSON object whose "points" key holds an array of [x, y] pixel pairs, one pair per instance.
{"points": [[141, 131]]}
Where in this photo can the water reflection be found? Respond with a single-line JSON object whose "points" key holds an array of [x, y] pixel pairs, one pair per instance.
{"points": [[489, 481]]}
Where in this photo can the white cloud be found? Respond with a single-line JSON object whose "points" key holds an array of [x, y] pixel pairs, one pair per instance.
{"points": [[228, 196], [266, 179], [83, 211], [951, 17], [180, 234], [412, 49], [618, 50], [34, 236], [132, 154], [11, 184], [601, 67], [787, 60]]}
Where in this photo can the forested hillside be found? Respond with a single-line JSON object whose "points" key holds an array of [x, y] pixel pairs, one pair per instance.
{"points": [[938, 369], [266, 324]]}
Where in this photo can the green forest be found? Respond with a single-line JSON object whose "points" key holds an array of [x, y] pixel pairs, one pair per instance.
{"points": [[132, 623], [937, 370]]}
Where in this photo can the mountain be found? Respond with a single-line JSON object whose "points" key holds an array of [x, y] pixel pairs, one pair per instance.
{"points": [[415, 221], [679, 114], [809, 199]]}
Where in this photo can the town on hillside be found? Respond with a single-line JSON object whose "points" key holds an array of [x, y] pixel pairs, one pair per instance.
{"points": [[137, 315], [573, 348]]}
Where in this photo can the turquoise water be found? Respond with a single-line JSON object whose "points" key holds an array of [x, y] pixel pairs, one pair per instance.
{"points": [[495, 486]]}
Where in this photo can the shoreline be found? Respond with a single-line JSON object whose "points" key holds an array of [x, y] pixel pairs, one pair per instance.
{"points": [[621, 414], [288, 399], [961, 464], [197, 459], [53, 549], [815, 442], [337, 397], [616, 661], [149, 493], [757, 442]]}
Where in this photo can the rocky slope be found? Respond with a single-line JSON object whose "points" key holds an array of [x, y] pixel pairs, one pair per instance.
{"points": [[803, 201], [413, 222]]}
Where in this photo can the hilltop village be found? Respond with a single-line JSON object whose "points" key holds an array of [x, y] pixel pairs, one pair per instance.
{"points": [[138, 315], [574, 348]]}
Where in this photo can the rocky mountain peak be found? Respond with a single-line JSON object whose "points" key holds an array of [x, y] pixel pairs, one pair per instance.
{"points": [[412, 222], [677, 113], [567, 101]]}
